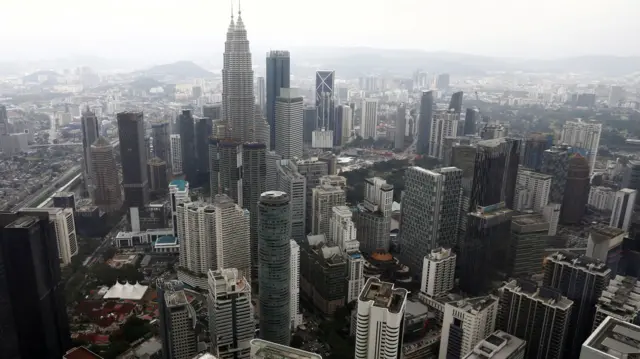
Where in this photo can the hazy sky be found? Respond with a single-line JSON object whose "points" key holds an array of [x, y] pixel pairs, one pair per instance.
{"points": [[188, 29]]}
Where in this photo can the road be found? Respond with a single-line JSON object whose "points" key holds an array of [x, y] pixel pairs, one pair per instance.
{"points": [[107, 241], [30, 200]]}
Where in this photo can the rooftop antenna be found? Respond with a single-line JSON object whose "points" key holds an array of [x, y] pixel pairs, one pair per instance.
{"points": [[232, 10], [239, 8]]}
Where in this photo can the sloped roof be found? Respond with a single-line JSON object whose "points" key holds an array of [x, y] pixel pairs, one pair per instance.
{"points": [[126, 291]]}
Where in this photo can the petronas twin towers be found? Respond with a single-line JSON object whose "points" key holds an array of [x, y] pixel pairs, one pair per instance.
{"points": [[244, 122]]}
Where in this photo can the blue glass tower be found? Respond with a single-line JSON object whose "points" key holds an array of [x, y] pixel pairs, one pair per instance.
{"points": [[278, 72]]}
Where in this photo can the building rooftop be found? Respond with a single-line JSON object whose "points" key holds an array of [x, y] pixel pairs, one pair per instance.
{"points": [[440, 254], [174, 295], [81, 353], [546, 295], [582, 262], [528, 219], [621, 297], [180, 184], [534, 174], [499, 345], [615, 339], [262, 349], [383, 295], [166, 240], [606, 231], [492, 211], [471, 305], [126, 291]]}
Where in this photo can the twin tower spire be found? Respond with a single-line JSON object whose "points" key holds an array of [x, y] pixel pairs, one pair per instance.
{"points": [[237, 25]]}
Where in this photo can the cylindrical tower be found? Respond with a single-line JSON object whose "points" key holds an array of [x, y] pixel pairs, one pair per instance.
{"points": [[274, 248]]}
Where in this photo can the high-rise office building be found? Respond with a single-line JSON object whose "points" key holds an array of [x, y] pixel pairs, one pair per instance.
{"points": [[313, 169], [455, 104], [576, 193], [32, 305], [278, 74], [161, 134], [203, 130], [64, 228], [342, 229], [369, 119], [325, 82], [526, 248], [290, 181], [232, 241], [373, 216], [424, 123], [555, 162], [495, 173], [226, 162], [157, 175], [623, 204], [254, 172], [262, 349], [64, 200], [442, 81], [309, 120], [534, 148], [470, 118], [4, 121], [238, 101], [612, 339], [261, 94], [631, 177], [296, 317], [107, 193], [484, 248], [231, 324], [444, 124], [539, 315], [289, 115], [465, 323], [90, 133], [583, 137], [429, 214], [176, 154], [274, 272], [380, 317], [271, 179], [177, 321], [401, 122], [499, 345], [619, 300], [178, 193], [344, 118], [133, 156], [551, 213], [212, 111], [605, 244], [438, 270], [188, 143], [582, 280], [198, 247], [532, 190], [324, 199]]}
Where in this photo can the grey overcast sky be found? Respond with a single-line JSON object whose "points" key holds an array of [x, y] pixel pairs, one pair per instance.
{"points": [[167, 30]]}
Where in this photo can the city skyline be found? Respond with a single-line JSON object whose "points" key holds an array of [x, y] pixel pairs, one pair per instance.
{"points": [[521, 40]]}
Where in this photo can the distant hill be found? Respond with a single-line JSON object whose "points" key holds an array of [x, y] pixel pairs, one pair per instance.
{"points": [[52, 77], [355, 60], [180, 69], [145, 83]]}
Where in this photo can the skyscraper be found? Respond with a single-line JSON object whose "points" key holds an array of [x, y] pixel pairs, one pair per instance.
{"points": [[380, 317], [369, 119], [470, 118], [325, 82], [296, 317], [582, 280], [310, 118], [324, 199], [288, 119], [198, 248], [532, 190], [623, 204], [576, 193], [157, 174], [484, 248], [373, 216], [444, 124], [231, 325], [176, 154], [178, 193], [226, 171], [238, 101], [344, 116], [424, 123], [203, 130], [455, 104], [442, 81], [133, 156], [465, 323], [177, 321], [261, 95], [233, 248], [212, 111], [4, 121], [401, 121], [274, 233], [526, 248], [107, 193], [430, 213], [64, 228], [162, 142], [313, 169], [495, 172], [188, 143], [539, 315], [32, 303], [254, 178], [438, 271], [583, 137], [278, 74], [555, 162], [90, 133], [290, 181], [631, 177], [534, 148]]}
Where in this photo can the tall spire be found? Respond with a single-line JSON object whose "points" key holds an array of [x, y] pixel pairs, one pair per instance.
{"points": [[239, 23], [239, 8], [232, 25]]}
